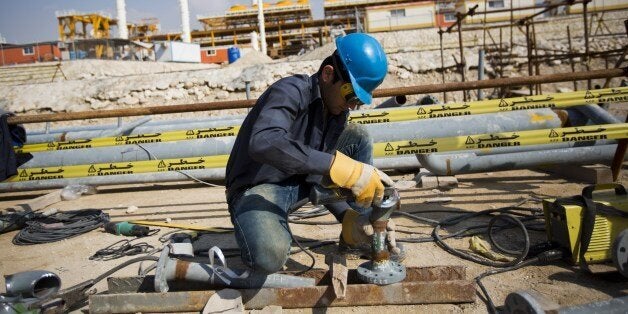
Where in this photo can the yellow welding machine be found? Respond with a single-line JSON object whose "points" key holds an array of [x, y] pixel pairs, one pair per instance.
{"points": [[593, 227]]}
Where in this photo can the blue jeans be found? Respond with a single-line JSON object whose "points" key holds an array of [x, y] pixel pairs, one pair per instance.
{"points": [[260, 213]]}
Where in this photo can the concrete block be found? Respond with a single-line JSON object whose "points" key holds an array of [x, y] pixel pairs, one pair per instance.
{"points": [[447, 182], [429, 181]]}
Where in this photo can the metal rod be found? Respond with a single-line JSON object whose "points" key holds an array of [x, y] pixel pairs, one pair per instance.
{"points": [[501, 68], [512, 21], [463, 63], [571, 61], [586, 39], [528, 45], [480, 72], [442, 62], [389, 92], [537, 65]]}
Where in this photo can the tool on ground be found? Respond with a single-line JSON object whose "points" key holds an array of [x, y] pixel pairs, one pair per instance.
{"points": [[380, 269], [180, 226], [127, 229], [592, 228], [25, 290]]}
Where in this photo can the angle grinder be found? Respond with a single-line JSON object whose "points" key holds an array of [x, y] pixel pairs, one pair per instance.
{"points": [[380, 270]]}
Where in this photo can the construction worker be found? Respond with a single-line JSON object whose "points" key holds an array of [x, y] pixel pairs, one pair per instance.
{"points": [[296, 131]]}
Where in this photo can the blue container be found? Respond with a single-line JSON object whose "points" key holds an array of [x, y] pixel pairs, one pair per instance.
{"points": [[233, 53]]}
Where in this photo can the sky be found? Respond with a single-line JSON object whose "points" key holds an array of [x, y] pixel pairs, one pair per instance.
{"points": [[27, 21]]}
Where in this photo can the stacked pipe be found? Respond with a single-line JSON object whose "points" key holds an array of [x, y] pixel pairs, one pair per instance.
{"points": [[395, 131]]}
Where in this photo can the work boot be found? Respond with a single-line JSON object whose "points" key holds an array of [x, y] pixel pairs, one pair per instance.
{"points": [[364, 251]]}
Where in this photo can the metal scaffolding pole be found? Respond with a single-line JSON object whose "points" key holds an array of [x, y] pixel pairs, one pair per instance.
{"points": [[442, 62], [463, 63], [586, 38], [529, 47], [571, 61]]}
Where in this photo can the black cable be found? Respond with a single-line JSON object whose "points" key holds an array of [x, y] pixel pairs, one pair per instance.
{"points": [[544, 257], [302, 249], [120, 249], [59, 226], [483, 261]]}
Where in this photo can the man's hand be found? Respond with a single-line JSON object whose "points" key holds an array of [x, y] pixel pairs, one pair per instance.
{"points": [[365, 181]]}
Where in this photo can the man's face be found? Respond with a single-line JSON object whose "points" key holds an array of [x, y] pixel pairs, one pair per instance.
{"points": [[333, 93]]}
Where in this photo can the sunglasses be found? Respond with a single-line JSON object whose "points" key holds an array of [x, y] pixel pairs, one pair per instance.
{"points": [[346, 90]]}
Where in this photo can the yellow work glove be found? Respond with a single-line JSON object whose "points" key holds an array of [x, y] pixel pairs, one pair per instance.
{"points": [[357, 230], [365, 181]]}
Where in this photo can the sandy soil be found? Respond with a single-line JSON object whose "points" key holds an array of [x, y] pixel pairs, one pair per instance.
{"points": [[199, 205]]}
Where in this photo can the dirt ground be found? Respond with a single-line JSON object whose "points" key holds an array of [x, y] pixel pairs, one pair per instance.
{"points": [[200, 205]]}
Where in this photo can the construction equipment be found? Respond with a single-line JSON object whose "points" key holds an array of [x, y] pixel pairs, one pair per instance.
{"points": [[592, 228], [380, 269], [126, 228]]}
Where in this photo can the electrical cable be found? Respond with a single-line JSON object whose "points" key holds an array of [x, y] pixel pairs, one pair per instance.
{"points": [[151, 155], [59, 226], [544, 257], [120, 249]]}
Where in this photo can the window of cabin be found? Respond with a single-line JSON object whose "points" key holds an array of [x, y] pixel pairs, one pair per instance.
{"points": [[398, 13], [495, 4]]}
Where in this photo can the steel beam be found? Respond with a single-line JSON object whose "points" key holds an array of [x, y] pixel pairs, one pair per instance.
{"points": [[415, 292]]}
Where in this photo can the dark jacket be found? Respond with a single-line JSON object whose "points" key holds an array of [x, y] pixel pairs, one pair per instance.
{"points": [[10, 135], [286, 134]]}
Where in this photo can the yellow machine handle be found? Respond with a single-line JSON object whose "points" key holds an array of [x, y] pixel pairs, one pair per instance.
{"points": [[587, 192]]}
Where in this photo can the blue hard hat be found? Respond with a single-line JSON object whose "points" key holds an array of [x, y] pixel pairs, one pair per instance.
{"points": [[365, 61]]}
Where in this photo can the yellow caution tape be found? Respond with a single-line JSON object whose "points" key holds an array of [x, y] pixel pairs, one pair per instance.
{"points": [[558, 100], [118, 168], [179, 226], [504, 139], [383, 149], [132, 139]]}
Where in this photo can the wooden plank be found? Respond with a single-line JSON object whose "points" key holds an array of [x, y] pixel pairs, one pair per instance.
{"points": [[594, 174]]}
